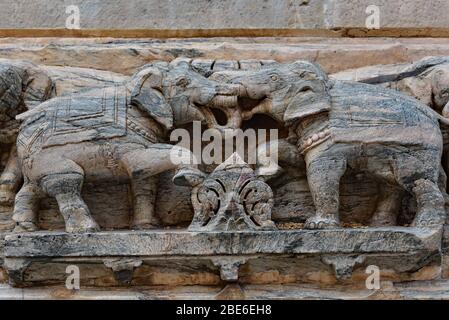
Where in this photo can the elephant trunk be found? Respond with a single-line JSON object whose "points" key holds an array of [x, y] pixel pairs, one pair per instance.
{"points": [[226, 101]]}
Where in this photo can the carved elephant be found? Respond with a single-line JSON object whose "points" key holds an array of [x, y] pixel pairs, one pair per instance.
{"points": [[114, 132], [426, 80], [23, 85], [339, 125]]}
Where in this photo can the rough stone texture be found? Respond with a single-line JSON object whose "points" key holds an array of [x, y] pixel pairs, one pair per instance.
{"points": [[231, 198], [277, 264], [426, 79], [122, 130], [418, 260], [403, 254], [434, 289], [153, 243], [215, 14], [126, 55]]}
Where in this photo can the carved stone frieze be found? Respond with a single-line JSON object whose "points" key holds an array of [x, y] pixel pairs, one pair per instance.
{"points": [[357, 175], [231, 198]]}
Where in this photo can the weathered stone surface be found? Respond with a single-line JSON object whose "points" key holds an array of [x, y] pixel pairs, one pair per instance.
{"points": [[332, 257], [434, 289], [339, 125], [235, 14], [231, 198], [425, 80], [141, 258], [129, 54], [156, 243], [122, 129]]}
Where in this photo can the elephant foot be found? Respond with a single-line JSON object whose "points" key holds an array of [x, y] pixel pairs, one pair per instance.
{"points": [[7, 195], [430, 219], [430, 201], [322, 222], [82, 229], [79, 222], [25, 226], [268, 225], [383, 219], [144, 226]]}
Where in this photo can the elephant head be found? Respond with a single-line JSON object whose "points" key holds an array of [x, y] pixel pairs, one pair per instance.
{"points": [[286, 92], [175, 94], [23, 86]]}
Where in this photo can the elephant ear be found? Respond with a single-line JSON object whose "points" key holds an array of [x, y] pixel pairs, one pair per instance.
{"points": [[311, 98], [312, 91], [146, 94]]}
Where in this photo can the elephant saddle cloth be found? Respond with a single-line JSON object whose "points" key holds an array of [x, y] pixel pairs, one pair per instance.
{"points": [[362, 113], [91, 115]]}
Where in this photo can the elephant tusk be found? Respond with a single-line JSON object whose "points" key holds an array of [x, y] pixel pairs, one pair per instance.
{"points": [[222, 101]]}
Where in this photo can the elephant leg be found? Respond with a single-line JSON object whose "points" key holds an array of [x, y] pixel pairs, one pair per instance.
{"points": [[431, 211], [143, 166], [66, 187], [419, 174], [144, 192], [10, 178], [26, 208], [324, 175], [388, 207]]}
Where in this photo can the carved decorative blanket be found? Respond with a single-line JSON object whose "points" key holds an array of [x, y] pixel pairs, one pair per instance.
{"points": [[98, 114]]}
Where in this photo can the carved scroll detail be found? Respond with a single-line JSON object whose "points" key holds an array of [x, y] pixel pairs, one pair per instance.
{"points": [[232, 198]]}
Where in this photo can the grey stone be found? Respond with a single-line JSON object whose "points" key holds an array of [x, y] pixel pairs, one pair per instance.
{"points": [[235, 14], [155, 243], [213, 252]]}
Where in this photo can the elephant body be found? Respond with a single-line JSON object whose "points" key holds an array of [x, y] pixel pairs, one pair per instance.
{"points": [[393, 138], [24, 86], [114, 132], [341, 125]]}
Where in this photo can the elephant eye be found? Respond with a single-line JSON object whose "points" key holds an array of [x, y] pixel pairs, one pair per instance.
{"points": [[274, 77], [183, 82]]}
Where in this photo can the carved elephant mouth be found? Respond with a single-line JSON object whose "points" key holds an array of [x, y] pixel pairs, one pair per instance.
{"points": [[223, 112]]}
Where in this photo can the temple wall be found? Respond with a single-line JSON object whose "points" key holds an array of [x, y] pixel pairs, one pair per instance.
{"points": [[120, 37]]}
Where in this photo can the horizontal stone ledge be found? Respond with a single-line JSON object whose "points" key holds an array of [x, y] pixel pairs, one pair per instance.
{"points": [[127, 55], [227, 32], [395, 240]]}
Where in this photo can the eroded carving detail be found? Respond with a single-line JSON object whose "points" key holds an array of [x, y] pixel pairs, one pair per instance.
{"points": [[120, 130], [339, 125], [232, 197], [156, 98], [123, 268]]}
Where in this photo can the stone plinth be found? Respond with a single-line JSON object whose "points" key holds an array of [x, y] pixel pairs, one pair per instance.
{"points": [[211, 258]]}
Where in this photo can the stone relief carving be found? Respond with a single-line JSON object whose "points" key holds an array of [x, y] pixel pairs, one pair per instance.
{"points": [[120, 131], [339, 125], [110, 129], [26, 85], [23, 86], [335, 125], [231, 198]]}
